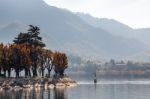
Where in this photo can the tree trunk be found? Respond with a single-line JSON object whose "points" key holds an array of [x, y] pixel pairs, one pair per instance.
{"points": [[26, 72], [42, 72], [49, 73], [61, 73], [56, 73], [49, 70], [17, 73], [34, 72], [0, 71], [4, 73], [9, 72], [29, 73]]}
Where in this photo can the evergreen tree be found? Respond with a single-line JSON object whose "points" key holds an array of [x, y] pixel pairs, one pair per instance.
{"points": [[30, 38]]}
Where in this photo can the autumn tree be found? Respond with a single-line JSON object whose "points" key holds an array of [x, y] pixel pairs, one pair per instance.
{"points": [[48, 62], [42, 62], [60, 63], [1, 56], [16, 56], [25, 59], [5, 60], [28, 53], [9, 60], [34, 41]]}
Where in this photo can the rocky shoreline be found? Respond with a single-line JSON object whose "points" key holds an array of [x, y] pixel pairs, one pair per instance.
{"points": [[22, 83]]}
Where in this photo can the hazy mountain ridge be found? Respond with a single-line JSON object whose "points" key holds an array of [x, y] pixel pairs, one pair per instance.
{"points": [[64, 30], [143, 35], [111, 25], [117, 28]]}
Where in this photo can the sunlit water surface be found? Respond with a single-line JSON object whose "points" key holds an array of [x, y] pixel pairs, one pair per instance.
{"points": [[87, 90]]}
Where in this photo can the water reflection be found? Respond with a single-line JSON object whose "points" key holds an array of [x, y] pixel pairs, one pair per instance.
{"points": [[95, 86], [85, 91], [37, 93], [10, 95], [60, 93]]}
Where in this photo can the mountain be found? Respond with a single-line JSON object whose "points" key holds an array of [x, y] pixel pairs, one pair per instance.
{"points": [[63, 30], [117, 28], [9, 31], [143, 35], [110, 25]]}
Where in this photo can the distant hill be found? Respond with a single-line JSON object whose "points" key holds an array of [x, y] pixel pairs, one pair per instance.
{"points": [[117, 28], [9, 31], [143, 35], [110, 25], [65, 31]]}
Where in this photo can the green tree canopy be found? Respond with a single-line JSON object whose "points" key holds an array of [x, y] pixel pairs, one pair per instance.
{"points": [[30, 38]]}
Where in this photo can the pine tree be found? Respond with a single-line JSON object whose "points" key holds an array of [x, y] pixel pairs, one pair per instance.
{"points": [[30, 38]]}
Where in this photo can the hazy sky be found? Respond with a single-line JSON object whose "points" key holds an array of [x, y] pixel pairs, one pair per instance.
{"points": [[135, 13]]}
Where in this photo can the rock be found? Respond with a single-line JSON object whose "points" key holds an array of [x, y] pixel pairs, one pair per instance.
{"points": [[60, 85], [17, 88], [7, 87], [20, 83], [71, 84], [51, 86]]}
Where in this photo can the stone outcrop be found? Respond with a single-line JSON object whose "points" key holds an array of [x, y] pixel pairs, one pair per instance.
{"points": [[22, 83]]}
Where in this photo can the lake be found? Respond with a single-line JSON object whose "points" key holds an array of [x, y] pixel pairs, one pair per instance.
{"points": [[87, 90]]}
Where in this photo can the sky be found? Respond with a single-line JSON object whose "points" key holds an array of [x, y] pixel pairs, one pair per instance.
{"points": [[134, 13]]}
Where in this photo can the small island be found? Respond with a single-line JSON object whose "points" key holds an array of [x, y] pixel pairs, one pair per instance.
{"points": [[29, 56]]}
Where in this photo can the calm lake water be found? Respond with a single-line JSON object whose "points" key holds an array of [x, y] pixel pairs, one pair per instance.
{"points": [[103, 90]]}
